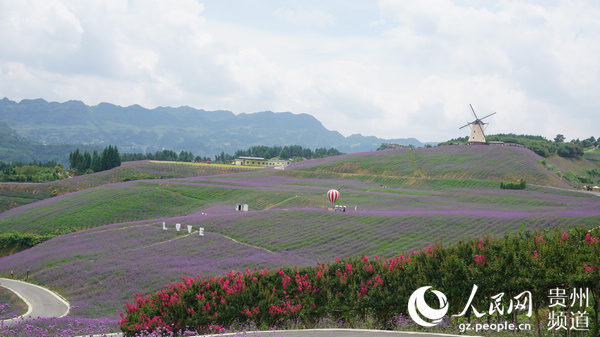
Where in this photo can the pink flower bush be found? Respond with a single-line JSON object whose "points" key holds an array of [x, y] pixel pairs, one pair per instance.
{"points": [[353, 286], [591, 240], [480, 259]]}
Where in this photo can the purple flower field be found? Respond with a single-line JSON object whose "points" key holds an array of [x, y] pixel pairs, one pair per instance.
{"points": [[459, 162], [17, 194], [59, 327], [397, 201], [10, 304], [98, 270]]}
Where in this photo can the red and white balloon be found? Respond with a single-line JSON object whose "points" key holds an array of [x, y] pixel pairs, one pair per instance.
{"points": [[333, 196]]}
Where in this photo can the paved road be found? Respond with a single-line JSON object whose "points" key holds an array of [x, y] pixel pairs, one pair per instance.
{"points": [[320, 333], [41, 301], [335, 333]]}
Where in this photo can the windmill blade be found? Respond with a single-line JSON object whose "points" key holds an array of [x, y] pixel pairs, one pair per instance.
{"points": [[465, 125], [474, 114], [488, 116]]}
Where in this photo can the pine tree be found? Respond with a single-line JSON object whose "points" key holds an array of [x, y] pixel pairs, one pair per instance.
{"points": [[116, 158], [104, 160], [96, 165], [73, 159], [87, 161]]}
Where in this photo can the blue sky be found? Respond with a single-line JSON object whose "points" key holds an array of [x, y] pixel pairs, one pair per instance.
{"points": [[392, 69]]}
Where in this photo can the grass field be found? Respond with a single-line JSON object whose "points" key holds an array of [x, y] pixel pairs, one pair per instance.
{"points": [[111, 243]]}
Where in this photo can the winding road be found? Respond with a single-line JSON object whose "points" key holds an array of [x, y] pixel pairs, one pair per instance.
{"points": [[45, 303], [40, 301]]}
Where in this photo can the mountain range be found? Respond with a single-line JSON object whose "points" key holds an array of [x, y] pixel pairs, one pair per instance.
{"points": [[135, 129]]}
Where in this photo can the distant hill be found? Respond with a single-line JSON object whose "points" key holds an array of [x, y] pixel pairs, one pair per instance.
{"points": [[16, 148], [205, 133]]}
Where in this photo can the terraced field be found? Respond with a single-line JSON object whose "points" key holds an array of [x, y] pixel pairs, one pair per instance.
{"points": [[111, 243]]}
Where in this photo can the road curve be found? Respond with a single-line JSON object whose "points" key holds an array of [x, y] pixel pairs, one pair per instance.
{"points": [[40, 301]]}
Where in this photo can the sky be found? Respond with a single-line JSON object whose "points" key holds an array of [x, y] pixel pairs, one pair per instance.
{"points": [[391, 69]]}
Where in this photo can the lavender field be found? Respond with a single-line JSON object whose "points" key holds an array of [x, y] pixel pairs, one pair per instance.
{"points": [[99, 270], [111, 244], [495, 163], [10, 304], [16, 194]]}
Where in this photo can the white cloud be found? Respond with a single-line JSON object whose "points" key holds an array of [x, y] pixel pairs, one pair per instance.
{"points": [[303, 17], [37, 32], [409, 72]]}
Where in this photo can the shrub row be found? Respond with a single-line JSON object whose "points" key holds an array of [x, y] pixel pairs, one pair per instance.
{"points": [[348, 290], [11, 243], [514, 186]]}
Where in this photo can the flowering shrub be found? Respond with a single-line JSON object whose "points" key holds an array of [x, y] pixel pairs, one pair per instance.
{"points": [[350, 289]]}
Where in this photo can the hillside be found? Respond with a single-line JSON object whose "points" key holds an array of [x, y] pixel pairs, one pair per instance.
{"points": [[397, 201], [15, 194], [425, 166], [422, 168], [135, 129], [13, 147]]}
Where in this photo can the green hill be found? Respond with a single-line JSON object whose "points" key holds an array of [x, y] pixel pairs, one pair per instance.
{"points": [[426, 166]]}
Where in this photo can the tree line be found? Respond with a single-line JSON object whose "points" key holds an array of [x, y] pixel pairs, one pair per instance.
{"points": [[267, 152], [281, 152], [539, 144], [84, 163], [35, 172], [164, 155]]}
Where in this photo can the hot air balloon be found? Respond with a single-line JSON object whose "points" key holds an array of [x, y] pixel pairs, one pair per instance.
{"points": [[333, 196]]}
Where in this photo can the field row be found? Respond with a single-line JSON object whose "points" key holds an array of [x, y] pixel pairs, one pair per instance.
{"points": [[322, 234]]}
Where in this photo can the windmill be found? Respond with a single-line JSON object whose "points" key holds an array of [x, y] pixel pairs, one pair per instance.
{"points": [[477, 128]]}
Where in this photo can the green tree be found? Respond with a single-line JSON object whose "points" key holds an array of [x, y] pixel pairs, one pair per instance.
{"points": [[95, 165], [86, 162], [104, 160], [74, 158], [284, 154]]}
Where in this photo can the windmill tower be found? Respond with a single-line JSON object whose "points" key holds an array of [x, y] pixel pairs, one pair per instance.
{"points": [[477, 135]]}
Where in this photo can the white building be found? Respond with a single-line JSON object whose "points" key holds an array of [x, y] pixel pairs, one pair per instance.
{"points": [[259, 161]]}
